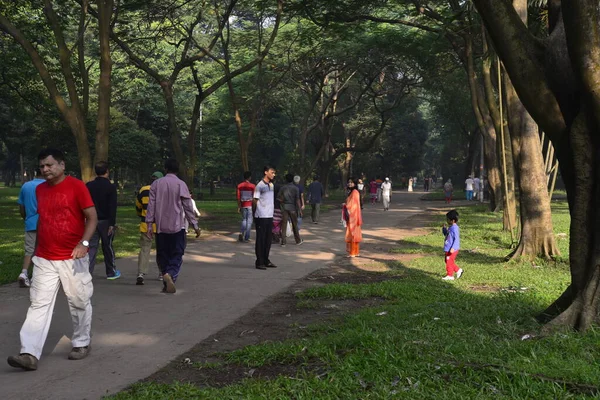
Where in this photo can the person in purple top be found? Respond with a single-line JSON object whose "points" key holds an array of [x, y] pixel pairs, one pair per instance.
{"points": [[170, 202], [451, 246]]}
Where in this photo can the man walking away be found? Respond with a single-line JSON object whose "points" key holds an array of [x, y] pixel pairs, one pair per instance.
{"points": [[263, 204], [245, 191], [302, 204], [170, 202], [289, 197], [104, 195], [315, 197], [469, 187], [386, 193], [141, 207], [67, 221], [28, 210]]}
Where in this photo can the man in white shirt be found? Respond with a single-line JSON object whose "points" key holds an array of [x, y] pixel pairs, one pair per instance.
{"points": [[386, 193], [263, 205], [469, 187]]}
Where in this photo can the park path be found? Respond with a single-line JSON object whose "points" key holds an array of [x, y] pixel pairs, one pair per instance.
{"points": [[136, 330]]}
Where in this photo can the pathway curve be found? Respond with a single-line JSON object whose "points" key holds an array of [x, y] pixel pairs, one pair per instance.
{"points": [[136, 330]]}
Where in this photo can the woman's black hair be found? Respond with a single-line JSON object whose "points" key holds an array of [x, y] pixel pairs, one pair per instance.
{"points": [[355, 181]]}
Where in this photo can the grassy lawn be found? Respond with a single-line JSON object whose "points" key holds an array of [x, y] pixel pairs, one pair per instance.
{"points": [[471, 338]]}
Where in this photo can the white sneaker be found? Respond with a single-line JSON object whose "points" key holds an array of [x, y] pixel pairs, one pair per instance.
{"points": [[24, 281], [160, 277], [459, 273], [448, 278]]}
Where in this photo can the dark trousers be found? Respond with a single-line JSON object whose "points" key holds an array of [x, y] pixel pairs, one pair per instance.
{"points": [[264, 235], [101, 234], [286, 218], [169, 252]]}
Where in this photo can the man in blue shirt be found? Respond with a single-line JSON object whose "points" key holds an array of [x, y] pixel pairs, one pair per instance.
{"points": [[28, 209]]}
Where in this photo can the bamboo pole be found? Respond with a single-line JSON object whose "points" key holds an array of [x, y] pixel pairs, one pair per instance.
{"points": [[504, 169]]}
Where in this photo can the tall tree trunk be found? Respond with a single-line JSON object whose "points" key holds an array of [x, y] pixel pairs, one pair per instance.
{"points": [[167, 88], [196, 116], [104, 87], [537, 237], [486, 126], [559, 84]]}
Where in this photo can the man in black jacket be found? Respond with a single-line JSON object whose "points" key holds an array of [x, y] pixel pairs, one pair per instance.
{"points": [[104, 195]]}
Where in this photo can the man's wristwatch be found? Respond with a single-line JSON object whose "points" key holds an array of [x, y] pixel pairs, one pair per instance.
{"points": [[85, 243]]}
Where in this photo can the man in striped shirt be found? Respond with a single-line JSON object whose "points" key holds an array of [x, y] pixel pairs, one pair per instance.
{"points": [[141, 206], [245, 191]]}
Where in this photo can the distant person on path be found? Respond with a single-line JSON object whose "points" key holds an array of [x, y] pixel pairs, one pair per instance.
{"points": [[476, 187], [289, 196], [141, 207], [410, 184], [415, 183], [451, 246], [386, 193], [426, 184], [373, 190], [469, 187], [245, 191], [67, 221], [379, 182], [353, 219], [315, 197], [169, 204], [104, 195], [276, 229], [448, 189], [263, 204], [28, 210], [302, 203], [361, 191]]}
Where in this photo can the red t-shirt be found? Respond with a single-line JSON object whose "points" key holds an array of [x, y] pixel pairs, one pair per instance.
{"points": [[245, 191], [61, 222]]}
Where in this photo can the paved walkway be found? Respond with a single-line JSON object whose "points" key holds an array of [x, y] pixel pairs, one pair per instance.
{"points": [[136, 330]]}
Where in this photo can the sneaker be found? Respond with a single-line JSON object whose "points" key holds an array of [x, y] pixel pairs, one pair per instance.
{"points": [[117, 275], [282, 244], [24, 281], [240, 238], [271, 265], [79, 353], [459, 273], [247, 240], [25, 361], [315, 222], [140, 279], [300, 242], [170, 285], [261, 267], [160, 278], [448, 278]]}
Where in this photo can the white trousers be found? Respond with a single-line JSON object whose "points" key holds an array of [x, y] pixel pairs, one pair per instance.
{"points": [[386, 201], [48, 275]]}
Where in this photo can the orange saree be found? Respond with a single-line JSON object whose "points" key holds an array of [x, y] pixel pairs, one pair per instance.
{"points": [[354, 224]]}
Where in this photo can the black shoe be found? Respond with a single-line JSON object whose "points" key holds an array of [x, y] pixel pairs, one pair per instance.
{"points": [[261, 267], [140, 279], [79, 353], [271, 265], [240, 238]]}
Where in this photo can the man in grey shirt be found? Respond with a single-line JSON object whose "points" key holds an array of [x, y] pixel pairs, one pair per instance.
{"points": [[289, 197]]}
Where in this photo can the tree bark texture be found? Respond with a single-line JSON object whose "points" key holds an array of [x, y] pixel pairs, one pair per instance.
{"points": [[104, 86], [558, 81]]}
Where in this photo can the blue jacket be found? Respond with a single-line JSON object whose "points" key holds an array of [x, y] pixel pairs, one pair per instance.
{"points": [[452, 238]]}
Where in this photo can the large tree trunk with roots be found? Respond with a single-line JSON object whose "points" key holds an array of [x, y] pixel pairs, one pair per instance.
{"points": [[167, 88], [558, 82]]}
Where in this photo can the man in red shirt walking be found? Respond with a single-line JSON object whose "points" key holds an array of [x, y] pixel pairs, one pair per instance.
{"points": [[245, 191], [67, 221]]}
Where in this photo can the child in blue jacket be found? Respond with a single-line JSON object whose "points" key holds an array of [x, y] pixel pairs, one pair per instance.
{"points": [[451, 246]]}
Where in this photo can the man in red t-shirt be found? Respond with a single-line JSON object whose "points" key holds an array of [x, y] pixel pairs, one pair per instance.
{"points": [[245, 191], [67, 221]]}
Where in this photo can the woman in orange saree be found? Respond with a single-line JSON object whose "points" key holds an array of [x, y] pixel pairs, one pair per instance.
{"points": [[353, 219]]}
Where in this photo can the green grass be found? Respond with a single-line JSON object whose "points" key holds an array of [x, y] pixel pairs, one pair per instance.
{"points": [[442, 340]]}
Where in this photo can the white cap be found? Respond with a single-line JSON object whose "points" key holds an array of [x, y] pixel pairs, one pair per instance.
{"points": [[387, 179]]}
